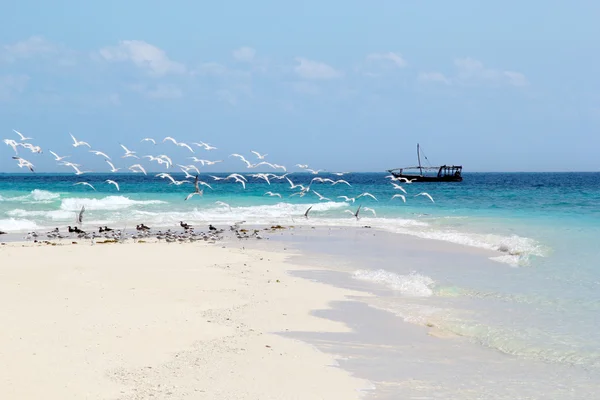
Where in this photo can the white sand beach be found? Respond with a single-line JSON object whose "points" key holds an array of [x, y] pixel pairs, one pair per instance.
{"points": [[150, 320]]}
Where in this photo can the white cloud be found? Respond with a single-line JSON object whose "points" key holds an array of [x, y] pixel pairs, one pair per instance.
{"points": [[244, 54], [144, 56], [34, 46], [390, 57], [315, 70], [437, 77], [471, 70], [11, 84]]}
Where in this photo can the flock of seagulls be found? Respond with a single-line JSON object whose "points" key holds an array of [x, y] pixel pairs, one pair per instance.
{"points": [[191, 171]]}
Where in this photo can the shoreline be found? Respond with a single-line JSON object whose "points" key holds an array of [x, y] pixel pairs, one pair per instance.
{"points": [[360, 326]]}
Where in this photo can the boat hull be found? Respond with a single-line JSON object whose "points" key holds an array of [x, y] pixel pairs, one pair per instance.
{"points": [[423, 178]]}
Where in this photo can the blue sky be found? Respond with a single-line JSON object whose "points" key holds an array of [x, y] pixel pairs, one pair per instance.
{"points": [[339, 85]]}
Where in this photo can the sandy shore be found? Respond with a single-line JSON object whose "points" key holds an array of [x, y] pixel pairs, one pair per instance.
{"points": [[149, 320]]}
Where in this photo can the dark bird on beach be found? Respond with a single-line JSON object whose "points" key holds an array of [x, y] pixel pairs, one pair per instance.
{"points": [[2, 233], [307, 211], [142, 227], [75, 230], [184, 225], [211, 228]]}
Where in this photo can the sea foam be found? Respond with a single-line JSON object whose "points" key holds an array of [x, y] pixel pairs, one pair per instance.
{"points": [[106, 203], [412, 285]]}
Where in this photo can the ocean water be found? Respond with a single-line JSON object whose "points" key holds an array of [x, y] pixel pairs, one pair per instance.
{"points": [[537, 296]]}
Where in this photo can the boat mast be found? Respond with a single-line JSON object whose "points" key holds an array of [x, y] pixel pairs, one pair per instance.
{"points": [[419, 157]]}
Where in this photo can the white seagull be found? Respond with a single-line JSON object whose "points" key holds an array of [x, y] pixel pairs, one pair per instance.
{"points": [[23, 163], [85, 184], [148, 140], [23, 138], [13, 144], [321, 197], [370, 209], [99, 153], [77, 143], [272, 194], [57, 157], [368, 195], [187, 146], [111, 182], [137, 168], [346, 198], [221, 203], [112, 167], [396, 186], [355, 214], [258, 155], [426, 195], [128, 153], [399, 196]]}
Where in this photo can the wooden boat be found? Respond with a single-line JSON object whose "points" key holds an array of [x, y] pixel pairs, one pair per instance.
{"points": [[445, 173]]}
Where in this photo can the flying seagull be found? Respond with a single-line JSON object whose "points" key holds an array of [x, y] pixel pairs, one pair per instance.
{"points": [[80, 215], [426, 195], [197, 191], [355, 214], [307, 211]]}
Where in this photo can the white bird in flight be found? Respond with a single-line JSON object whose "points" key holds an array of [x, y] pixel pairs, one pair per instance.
{"points": [[77, 143], [258, 155], [355, 214], [23, 138], [112, 167], [85, 184], [346, 198], [99, 153], [23, 163], [396, 186], [148, 140], [57, 157], [221, 203], [13, 144], [321, 197], [399, 196], [426, 195], [111, 182], [137, 168], [272, 194], [370, 209], [187, 146], [368, 195], [128, 153]]}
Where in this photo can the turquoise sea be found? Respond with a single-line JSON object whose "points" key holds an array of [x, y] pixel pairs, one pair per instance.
{"points": [[539, 300]]}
